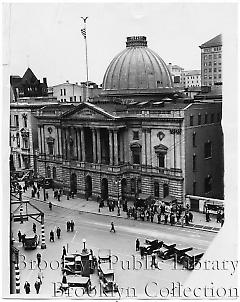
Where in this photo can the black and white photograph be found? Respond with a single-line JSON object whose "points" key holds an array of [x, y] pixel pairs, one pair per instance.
{"points": [[120, 150]]}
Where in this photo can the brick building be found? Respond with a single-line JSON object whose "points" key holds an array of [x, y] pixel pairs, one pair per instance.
{"points": [[135, 138]]}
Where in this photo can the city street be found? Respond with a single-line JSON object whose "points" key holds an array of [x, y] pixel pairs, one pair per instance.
{"points": [[96, 230]]}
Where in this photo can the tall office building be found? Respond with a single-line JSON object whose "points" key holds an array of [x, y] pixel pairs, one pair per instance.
{"points": [[211, 62]]}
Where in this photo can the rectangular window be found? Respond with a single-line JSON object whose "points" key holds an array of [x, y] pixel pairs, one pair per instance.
{"points": [[206, 118], [80, 98], [199, 119], [219, 76], [70, 98], [209, 63], [161, 160], [16, 122], [210, 77], [208, 150], [210, 57], [219, 55], [156, 189], [191, 120], [212, 118], [215, 69], [64, 91], [194, 162], [61, 92], [136, 158], [194, 139], [210, 70], [25, 122], [205, 70], [75, 98], [135, 135], [215, 63]]}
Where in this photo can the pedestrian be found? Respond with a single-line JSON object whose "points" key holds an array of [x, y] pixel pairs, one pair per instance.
{"points": [[159, 218], [171, 218], [34, 227], [58, 196], [72, 225], [38, 194], [153, 260], [190, 216], [50, 205], [142, 252], [165, 218], [118, 211], [19, 236], [37, 286], [39, 257], [137, 244], [112, 228], [27, 287], [51, 236], [46, 195], [187, 219], [207, 216], [64, 252], [68, 226], [152, 216], [33, 194], [58, 232], [23, 239]]}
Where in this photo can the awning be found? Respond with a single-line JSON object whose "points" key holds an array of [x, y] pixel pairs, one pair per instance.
{"points": [[143, 196], [169, 198]]}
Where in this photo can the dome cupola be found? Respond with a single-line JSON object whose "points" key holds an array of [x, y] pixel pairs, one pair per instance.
{"points": [[137, 70]]}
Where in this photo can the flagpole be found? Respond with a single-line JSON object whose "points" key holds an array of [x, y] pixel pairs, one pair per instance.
{"points": [[86, 56]]}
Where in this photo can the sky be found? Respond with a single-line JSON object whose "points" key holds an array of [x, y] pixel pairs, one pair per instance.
{"points": [[46, 36]]}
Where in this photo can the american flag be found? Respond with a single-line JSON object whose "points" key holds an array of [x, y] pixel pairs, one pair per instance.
{"points": [[84, 33]]}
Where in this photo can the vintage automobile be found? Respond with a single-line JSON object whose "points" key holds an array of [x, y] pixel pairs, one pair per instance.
{"points": [[104, 255], [76, 281], [106, 278], [30, 241], [179, 252], [191, 258], [150, 246], [166, 251]]}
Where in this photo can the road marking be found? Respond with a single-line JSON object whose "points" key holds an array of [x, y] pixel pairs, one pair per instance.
{"points": [[74, 236]]}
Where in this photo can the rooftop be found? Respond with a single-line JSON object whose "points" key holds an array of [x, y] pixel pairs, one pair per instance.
{"points": [[216, 41]]}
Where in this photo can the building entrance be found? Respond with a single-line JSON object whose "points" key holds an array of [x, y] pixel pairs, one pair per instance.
{"points": [[73, 183], [104, 189], [124, 188], [88, 186]]}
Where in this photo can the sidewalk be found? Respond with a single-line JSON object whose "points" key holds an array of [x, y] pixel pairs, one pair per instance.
{"points": [[91, 206]]}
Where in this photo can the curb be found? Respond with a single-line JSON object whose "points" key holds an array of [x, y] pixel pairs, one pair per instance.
{"points": [[116, 216]]}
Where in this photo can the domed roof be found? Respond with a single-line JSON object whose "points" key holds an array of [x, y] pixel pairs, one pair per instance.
{"points": [[137, 69]]}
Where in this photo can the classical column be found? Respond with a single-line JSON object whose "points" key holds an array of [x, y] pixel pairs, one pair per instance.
{"points": [[121, 143], [83, 144], [39, 140], [56, 143], [79, 157], [115, 132], [94, 145], [98, 146], [143, 146], [110, 146], [68, 143], [75, 142], [60, 141], [43, 140], [63, 141]]}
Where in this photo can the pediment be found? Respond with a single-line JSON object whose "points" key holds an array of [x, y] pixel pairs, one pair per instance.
{"points": [[160, 148], [88, 111]]}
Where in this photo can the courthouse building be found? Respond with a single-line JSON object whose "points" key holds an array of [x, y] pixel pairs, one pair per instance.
{"points": [[140, 136]]}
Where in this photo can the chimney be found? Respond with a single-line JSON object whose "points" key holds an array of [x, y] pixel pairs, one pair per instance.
{"points": [[45, 81], [67, 81]]}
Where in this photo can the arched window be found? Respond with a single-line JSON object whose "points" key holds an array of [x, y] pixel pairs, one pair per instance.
{"points": [[156, 189], [54, 173]]}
